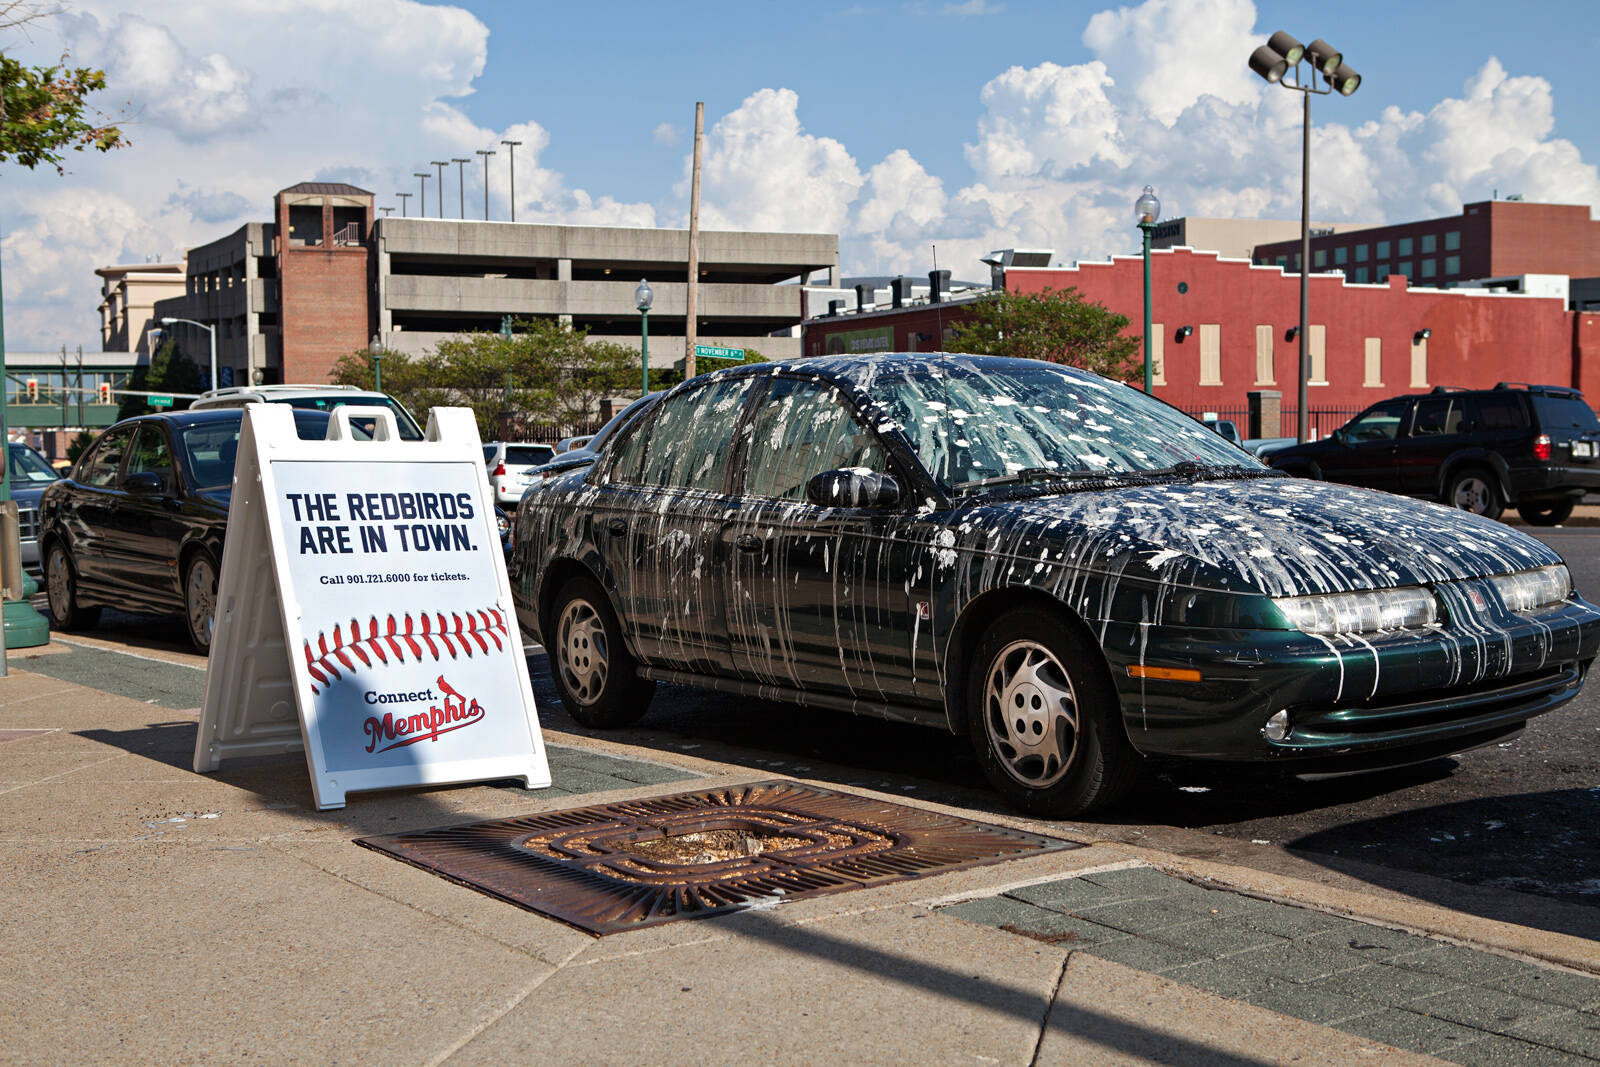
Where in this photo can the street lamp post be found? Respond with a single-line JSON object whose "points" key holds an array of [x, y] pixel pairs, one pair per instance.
{"points": [[485, 153], [441, 164], [422, 192], [375, 349], [643, 297], [461, 184], [1272, 61], [403, 198], [212, 330], [1147, 209], [511, 158]]}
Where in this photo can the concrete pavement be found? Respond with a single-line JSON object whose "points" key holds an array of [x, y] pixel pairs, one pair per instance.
{"points": [[151, 913]]}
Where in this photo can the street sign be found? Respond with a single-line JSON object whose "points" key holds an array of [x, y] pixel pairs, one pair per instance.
{"points": [[159, 401], [717, 352]]}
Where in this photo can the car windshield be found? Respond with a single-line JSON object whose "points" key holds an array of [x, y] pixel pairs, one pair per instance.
{"points": [[28, 466], [987, 424], [408, 428]]}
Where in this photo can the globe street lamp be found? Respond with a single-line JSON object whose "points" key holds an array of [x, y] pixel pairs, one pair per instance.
{"points": [[212, 330], [1147, 209], [1272, 61], [375, 349], [643, 297]]}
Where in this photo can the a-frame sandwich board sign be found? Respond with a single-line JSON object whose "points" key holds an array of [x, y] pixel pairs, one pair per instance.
{"points": [[364, 613]]}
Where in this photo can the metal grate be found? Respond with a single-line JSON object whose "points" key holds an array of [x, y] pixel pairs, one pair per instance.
{"points": [[586, 868]]}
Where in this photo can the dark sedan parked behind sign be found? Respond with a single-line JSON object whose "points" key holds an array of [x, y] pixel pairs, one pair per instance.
{"points": [[1067, 570], [138, 524]]}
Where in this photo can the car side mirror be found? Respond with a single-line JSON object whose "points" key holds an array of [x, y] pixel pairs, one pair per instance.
{"points": [[853, 489], [143, 482], [1340, 436]]}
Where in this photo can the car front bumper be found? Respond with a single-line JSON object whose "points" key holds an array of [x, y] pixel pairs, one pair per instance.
{"points": [[1365, 699]]}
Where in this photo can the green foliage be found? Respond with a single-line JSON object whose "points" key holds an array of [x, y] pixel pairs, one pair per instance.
{"points": [[79, 443], [170, 371], [541, 370], [1055, 325], [46, 114]]}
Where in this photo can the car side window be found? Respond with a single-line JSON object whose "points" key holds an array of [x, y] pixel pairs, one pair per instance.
{"points": [[692, 435], [1436, 416], [100, 469], [1499, 413], [629, 452], [1382, 423], [802, 429], [152, 455]]}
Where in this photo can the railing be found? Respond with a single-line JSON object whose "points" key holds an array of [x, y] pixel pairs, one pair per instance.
{"points": [[350, 235], [1323, 420], [518, 428]]}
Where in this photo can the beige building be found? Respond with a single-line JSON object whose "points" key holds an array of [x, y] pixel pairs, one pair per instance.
{"points": [[128, 294], [1237, 238]]}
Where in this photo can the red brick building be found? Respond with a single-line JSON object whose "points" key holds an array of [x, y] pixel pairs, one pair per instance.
{"points": [[324, 275], [1490, 239], [1223, 328]]}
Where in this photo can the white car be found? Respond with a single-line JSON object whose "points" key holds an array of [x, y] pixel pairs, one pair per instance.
{"points": [[509, 464], [311, 398]]}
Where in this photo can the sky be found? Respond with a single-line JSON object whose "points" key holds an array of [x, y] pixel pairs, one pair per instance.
{"points": [[904, 127]]}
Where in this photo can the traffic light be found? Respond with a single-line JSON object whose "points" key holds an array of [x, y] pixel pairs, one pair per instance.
{"points": [[33, 389], [105, 392]]}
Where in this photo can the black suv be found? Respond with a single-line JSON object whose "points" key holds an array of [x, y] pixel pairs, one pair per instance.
{"points": [[1531, 446]]}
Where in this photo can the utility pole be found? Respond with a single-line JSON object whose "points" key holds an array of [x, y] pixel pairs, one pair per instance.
{"points": [[461, 182], [511, 157], [485, 153], [690, 333]]}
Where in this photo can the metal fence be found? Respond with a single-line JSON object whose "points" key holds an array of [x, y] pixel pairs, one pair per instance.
{"points": [[1323, 420], [517, 428]]}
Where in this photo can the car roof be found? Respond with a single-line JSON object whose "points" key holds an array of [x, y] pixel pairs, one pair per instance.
{"points": [[284, 390], [860, 371]]}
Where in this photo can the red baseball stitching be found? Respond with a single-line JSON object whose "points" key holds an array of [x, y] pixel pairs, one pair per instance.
{"points": [[420, 634]]}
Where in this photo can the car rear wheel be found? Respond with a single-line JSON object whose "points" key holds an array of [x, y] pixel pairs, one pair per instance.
{"points": [[200, 600], [1044, 722], [1548, 514], [61, 588], [1474, 490], [594, 672]]}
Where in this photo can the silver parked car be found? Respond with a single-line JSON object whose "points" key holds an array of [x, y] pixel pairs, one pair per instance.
{"points": [[31, 475]]}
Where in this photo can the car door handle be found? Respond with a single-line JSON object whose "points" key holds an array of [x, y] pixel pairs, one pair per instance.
{"points": [[616, 527], [748, 543]]}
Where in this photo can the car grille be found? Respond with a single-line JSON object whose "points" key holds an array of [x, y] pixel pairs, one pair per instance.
{"points": [[1484, 703], [28, 520]]}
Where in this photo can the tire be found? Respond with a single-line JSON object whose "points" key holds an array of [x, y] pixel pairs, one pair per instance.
{"points": [[1476, 490], [61, 588], [594, 672], [1549, 514], [1028, 660], [200, 600]]}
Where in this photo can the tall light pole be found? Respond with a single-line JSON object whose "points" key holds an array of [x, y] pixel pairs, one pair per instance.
{"points": [[387, 211], [643, 297], [403, 198], [485, 153], [1147, 209], [422, 192], [212, 330], [511, 157], [440, 163], [1272, 61], [461, 183]]}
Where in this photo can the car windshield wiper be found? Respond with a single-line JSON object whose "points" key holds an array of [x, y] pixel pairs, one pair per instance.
{"points": [[1035, 474]]}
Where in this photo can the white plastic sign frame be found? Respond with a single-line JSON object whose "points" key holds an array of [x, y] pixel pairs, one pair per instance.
{"points": [[364, 613]]}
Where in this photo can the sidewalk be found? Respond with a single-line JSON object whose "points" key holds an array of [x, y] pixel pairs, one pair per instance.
{"points": [[156, 914]]}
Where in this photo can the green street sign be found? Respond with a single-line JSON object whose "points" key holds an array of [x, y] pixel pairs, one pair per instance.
{"points": [[159, 401], [717, 352]]}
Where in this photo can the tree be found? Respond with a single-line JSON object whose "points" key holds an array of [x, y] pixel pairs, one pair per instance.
{"points": [[1056, 325], [44, 111], [170, 371]]}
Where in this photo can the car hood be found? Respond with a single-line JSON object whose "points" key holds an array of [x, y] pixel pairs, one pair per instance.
{"points": [[1278, 536]]}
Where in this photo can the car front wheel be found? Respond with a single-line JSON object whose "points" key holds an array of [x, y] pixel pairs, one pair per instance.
{"points": [[61, 587], [1044, 723], [594, 672], [200, 600], [1474, 490]]}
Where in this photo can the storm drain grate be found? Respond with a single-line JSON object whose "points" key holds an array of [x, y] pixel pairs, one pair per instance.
{"points": [[637, 863]]}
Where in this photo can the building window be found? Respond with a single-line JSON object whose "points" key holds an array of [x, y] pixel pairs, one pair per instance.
{"points": [[1430, 243], [1405, 247], [1430, 268], [1341, 255], [1361, 275], [1264, 356], [1319, 258], [1210, 353], [1158, 362], [1297, 261], [1452, 240], [1404, 268], [1283, 260], [1383, 272], [1361, 253], [1317, 342], [1452, 265], [1383, 249], [1419, 363], [1372, 377]]}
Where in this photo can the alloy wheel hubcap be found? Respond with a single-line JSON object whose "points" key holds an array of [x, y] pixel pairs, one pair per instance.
{"points": [[59, 585], [1031, 714], [202, 598], [581, 648], [1472, 494]]}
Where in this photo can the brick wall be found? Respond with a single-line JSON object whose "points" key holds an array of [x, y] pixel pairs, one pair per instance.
{"points": [[324, 312]]}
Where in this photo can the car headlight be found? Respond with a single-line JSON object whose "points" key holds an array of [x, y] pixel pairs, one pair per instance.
{"points": [[1359, 613], [1531, 590]]}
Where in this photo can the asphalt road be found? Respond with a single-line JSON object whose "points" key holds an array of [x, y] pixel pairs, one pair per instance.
{"points": [[1509, 831]]}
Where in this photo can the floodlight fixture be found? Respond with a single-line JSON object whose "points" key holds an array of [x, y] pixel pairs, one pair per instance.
{"points": [[1286, 46], [1268, 63], [1344, 80], [1324, 56]]}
